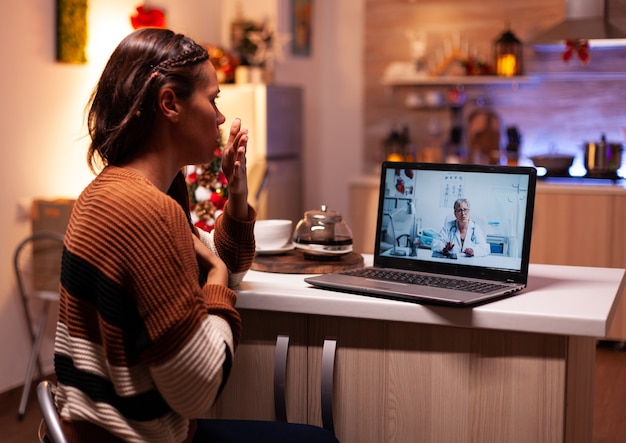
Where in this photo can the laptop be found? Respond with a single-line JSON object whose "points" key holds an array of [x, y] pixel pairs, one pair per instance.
{"points": [[452, 234]]}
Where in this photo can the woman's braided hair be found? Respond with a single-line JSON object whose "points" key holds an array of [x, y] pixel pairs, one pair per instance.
{"points": [[123, 105]]}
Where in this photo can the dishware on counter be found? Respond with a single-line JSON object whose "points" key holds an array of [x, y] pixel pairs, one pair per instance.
{"points": [[483, 127], [323, 234], [603, 158], [556, 165], [273, 235], [288, 247]]}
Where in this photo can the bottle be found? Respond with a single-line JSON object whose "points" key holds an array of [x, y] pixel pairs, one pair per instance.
{"points": [[514, 139], [455, 150]]}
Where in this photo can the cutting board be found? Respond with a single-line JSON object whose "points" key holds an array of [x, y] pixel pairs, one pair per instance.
{"points": [[295, 262]]}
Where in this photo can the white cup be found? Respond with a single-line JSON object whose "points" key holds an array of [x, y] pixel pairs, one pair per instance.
{"points": [[272, 234], [433, 98]]}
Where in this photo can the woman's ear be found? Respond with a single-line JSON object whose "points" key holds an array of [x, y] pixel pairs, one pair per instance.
{"points": [[168, 104]]}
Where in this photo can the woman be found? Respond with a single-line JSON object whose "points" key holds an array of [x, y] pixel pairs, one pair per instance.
{"points": [[147, 326], [461, 234]]}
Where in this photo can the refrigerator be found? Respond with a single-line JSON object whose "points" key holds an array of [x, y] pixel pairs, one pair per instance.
{"points": [[273, 116]]}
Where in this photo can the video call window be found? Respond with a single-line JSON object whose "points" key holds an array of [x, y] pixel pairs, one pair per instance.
{"points": [[419, 217]]}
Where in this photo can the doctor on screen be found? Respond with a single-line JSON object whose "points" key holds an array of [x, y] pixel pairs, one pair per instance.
{"points": [[461, 235]]}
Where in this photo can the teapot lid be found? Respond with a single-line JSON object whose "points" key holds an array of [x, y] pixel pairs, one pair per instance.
{"points": [[323, 215]]}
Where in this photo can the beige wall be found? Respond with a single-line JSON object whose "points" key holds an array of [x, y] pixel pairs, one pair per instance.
{"points": [[42, 137]]}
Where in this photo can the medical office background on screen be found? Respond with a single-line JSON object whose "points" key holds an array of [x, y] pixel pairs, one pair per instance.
{"points": [[497, 204]]}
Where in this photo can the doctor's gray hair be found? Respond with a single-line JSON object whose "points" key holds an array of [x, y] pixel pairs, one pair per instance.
{"points": [[458, 202]]}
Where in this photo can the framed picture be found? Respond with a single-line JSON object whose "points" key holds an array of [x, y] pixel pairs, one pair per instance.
{"points": [[71, 31], [301, 27]]}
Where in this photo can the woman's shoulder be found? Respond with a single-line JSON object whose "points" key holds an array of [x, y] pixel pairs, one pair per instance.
{"points": [[129, 195], [124, 184]]}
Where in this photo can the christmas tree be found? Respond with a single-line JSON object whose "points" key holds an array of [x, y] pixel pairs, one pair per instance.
{"points": [[208, 191]]}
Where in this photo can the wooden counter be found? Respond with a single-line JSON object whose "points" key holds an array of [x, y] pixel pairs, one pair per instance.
{"points": [[578, 222]]}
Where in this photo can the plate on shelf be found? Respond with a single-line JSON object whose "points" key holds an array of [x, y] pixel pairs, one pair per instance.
{"points": [[287, 247]]}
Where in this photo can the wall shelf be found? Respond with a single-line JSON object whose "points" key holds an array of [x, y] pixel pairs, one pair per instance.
{"points": [[580, 76], [403, 74], [457, 80]]}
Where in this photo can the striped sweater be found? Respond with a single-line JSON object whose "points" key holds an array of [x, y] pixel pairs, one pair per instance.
{"points": [[142, 347]]}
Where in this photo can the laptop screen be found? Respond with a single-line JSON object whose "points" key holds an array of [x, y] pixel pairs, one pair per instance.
{"points": [[470, 220]]}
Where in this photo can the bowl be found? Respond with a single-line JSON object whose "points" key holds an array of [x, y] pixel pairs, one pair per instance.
{"points": [[554, 163], [272, 234]]}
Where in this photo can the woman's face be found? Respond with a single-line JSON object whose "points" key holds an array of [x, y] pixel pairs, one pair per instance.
{"points": [[199, 131], [461, 212]]}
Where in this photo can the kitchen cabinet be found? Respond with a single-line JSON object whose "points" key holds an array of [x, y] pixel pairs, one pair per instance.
{"points": [[582, 225], [249, 393], [398, 382], [357, 401], [576, 226]]}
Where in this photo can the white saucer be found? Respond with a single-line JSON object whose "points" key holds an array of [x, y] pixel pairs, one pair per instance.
{"points": [[324, 250], [287, 247]]}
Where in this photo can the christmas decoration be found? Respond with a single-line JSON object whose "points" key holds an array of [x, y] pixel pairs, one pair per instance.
{"points": [[578, 47], [475, 66], [257, 43], [224, 63], [208, 191], [148, 18], [509, 52]]}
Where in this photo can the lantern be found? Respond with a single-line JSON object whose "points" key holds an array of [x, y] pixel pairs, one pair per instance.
{"points": [[508, 55]]}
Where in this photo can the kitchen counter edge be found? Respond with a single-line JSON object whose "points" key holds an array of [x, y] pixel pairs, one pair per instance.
{"points": [[563, 300]]}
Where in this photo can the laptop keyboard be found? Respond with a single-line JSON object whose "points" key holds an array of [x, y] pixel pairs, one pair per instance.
{"points": [[424, 280]]}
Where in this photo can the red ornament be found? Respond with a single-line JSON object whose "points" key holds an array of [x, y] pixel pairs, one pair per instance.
{"points": [[222, 178], [148, 18], [217, 200], [578, 47], [202, 225]]}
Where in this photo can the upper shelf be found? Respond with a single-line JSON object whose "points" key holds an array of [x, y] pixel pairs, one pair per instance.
{"points": [[403, 74], [458, 80]]}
